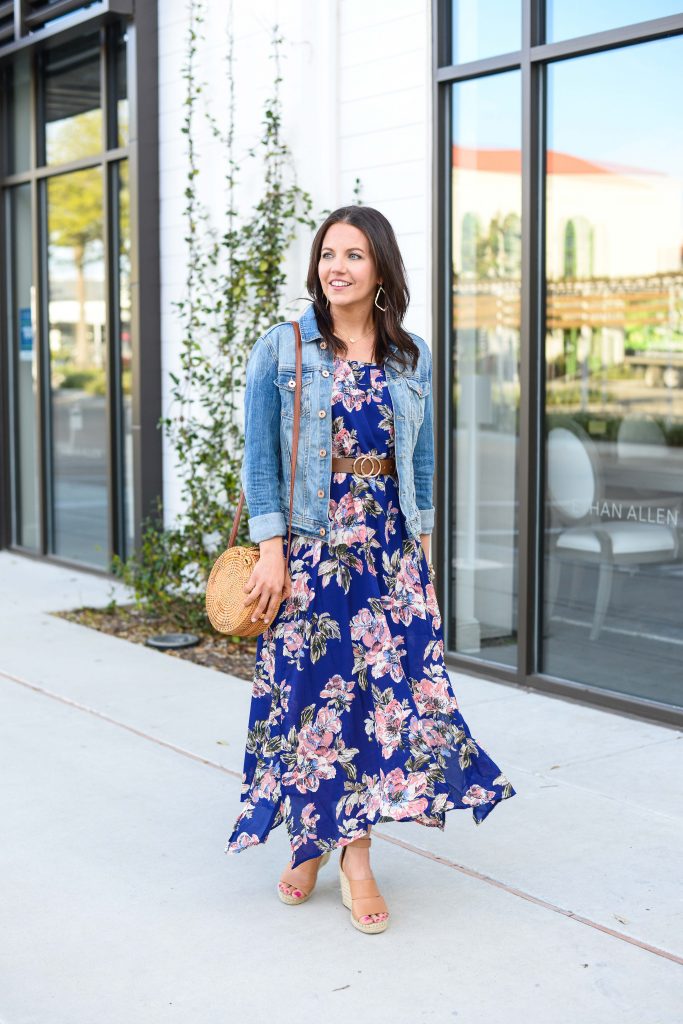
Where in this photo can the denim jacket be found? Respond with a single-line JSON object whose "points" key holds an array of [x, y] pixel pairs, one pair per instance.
{"points": [[268, 423]]}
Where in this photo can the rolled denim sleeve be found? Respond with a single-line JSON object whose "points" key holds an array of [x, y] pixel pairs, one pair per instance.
{"points": [[260, 472], [423, 459]]}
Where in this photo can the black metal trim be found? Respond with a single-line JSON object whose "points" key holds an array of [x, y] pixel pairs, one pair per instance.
{"points": [[638, 32], [440, 305], [145, 269], [39, 207], [5, 369], [532, 59], [117, 500], [79, 164], [52, 559], [610, 39], [142, 156], [477, 68], [64, 26], [531, 346], [108, 235], [567, 689]]}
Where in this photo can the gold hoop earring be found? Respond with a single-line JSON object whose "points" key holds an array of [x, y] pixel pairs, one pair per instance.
{"points": [[383, 308]]}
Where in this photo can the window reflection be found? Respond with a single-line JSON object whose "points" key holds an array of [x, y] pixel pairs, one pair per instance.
{"points": [[121, 97], [21, 331], [566, 18], [484, 28], [19, 115], [614, 371], [126, 351], [73, 114], [77, 341], [486, 231]]}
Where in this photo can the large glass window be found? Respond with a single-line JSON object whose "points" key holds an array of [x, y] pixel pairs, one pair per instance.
{"points": [[567, 18], [21, 331], [69, 330], [482, 28], [486, 252], [19, 115], [125, 347], [614, 370], [73, 104], [78, 375], [121, 73], [562, 504]]}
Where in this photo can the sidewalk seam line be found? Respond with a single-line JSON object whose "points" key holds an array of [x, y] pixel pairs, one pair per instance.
{"points": [[409, 847], [121, 725]]}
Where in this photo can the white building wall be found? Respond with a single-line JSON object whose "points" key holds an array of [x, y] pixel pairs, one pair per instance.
{"points": [[356, 98]]}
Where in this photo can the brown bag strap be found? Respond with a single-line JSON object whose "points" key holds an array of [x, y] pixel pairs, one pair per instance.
{"points": [[295, 445]]}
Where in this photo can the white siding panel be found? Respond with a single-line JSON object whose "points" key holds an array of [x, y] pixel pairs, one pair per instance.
{"points": [[356, 99], [384, 96], [387, 181], [389, 146], [397, 36], [390, 110], [405, 214], [382, 76], [360, 14]]}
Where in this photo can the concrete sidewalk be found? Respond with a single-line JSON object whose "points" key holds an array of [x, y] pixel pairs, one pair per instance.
{"points": [[120, 783]]}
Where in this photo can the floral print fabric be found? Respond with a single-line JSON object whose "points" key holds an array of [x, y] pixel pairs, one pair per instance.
{"points": [[353, 718]]}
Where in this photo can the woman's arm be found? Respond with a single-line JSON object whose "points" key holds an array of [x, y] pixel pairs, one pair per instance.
{"points": [[269, 583], [261, 462], [423, 459]]}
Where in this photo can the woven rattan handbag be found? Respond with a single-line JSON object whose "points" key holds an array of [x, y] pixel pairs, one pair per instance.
{"points": [[225, 605]]}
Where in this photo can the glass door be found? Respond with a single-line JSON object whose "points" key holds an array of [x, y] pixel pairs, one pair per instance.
{"points": [[76, 322], [613, 515], [484, 356], [21, 332]]}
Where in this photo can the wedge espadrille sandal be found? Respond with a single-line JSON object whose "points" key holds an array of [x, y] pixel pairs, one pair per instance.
{"points": [[362, 897], [305, 889]]}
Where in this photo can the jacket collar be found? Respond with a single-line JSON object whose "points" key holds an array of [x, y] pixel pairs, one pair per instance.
{"points": [[309, 325]]}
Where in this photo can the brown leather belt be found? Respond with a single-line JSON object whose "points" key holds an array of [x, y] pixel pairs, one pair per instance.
{"points": [[364, 465]]}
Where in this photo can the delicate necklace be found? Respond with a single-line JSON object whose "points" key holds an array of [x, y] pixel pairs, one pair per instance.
{"points": [[360, 336]]}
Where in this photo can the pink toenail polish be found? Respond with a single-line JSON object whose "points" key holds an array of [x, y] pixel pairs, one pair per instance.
{"points": [[297, 893]]}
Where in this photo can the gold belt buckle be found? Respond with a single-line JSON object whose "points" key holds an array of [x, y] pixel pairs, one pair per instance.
{"points": [[374, 459]]}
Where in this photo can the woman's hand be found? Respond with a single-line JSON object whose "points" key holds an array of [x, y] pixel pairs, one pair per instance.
{"points": [[269, 583]]}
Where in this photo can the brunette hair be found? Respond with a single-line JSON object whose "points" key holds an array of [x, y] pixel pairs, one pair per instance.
{"points": [[390, 268]]}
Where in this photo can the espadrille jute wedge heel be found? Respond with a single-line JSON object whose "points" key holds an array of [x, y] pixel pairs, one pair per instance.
{"points": [[362, 897], [304, 886]]}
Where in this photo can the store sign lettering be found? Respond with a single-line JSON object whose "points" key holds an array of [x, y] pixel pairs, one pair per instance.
{"points": [[636, 513]]}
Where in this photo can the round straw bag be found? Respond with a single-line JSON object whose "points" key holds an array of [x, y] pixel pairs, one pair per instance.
{"points": [[225, 605], [224, 598]]}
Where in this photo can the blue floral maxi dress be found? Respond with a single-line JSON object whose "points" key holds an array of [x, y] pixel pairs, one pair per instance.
{"points": [[353, 719]]}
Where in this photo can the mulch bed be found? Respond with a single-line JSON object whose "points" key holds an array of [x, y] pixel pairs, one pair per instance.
{"points": [[233, 655]]}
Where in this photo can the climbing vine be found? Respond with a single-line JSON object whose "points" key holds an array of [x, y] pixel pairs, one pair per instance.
{"points": [[233, 292]]}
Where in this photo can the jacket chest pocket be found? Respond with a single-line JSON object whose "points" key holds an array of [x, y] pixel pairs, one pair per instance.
{"points": [[416, 395], [286, 385]]}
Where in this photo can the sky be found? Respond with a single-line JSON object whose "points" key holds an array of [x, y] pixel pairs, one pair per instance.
{"points": [[482, 28], [621, 106]]}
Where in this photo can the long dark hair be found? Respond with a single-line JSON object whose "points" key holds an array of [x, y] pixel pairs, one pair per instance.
{"points": [[390, 268]]}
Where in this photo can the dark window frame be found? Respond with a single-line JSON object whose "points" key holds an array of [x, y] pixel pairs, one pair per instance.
{"points": [[141, 153], [532, 59]]}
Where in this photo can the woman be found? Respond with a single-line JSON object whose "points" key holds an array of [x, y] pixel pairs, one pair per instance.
{"points": [[353, 719]]}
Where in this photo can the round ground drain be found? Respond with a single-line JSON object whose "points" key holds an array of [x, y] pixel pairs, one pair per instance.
{"points": [[172, 641]]}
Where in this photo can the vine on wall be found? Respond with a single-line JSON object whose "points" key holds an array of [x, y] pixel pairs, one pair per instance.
{"points": [[233, 292]]}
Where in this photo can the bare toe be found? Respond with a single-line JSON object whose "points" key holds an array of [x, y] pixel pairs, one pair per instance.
{"points": [[374, 918]]}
